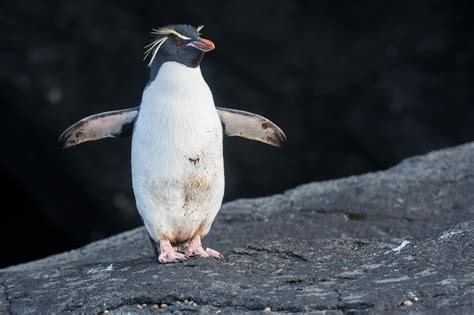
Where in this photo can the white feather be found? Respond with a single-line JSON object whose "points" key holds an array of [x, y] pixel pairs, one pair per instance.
{"points": [[177, 161]]}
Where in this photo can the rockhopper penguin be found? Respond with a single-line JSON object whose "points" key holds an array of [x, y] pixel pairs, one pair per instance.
{"points": [[177, 159]]}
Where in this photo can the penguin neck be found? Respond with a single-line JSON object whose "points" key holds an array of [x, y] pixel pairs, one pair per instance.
{"points": [[177, 85], [162, 59], [175, 75]]}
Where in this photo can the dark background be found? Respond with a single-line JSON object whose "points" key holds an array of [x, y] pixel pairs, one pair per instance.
{"points": [[356, 85]]}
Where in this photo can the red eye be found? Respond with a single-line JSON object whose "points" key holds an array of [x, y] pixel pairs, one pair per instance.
{"points": [[179, 44]]}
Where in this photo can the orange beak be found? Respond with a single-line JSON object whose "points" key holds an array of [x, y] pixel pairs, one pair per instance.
{"points": [[202, 44]]}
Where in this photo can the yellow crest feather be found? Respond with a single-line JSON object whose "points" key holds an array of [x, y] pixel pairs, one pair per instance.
{"points": [[154, 46], [199, 29], [169, 31]]}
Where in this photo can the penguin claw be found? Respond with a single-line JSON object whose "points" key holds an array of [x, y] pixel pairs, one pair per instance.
{"points": [[201, 252], [171, 257], [214, 253], [194, 248]]}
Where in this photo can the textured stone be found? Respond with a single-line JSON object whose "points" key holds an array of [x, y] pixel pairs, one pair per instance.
{"points": [[397, 240]]}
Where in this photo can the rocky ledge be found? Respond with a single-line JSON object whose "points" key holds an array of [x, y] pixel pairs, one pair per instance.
{"points": [[397, 240]]}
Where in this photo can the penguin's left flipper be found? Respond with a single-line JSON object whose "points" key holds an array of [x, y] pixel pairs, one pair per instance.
{"points": [[114, 124], [251, 126]]}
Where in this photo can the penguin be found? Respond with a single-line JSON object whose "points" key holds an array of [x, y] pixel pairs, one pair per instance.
{"points": [[177, 143]]}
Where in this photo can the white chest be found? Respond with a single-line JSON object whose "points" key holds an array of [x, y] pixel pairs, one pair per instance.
{"points": [[177, 121], [177, 161]]}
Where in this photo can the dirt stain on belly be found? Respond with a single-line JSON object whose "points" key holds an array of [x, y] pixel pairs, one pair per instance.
{"points": [[197, 191], [196, 194]]}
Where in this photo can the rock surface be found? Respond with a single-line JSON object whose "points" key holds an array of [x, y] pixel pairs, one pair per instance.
{"points": [[397, 240]]}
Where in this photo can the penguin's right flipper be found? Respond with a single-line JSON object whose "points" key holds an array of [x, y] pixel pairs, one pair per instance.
{"points": [[114, 124]]}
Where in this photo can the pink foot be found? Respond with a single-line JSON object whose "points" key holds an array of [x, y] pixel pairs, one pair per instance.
{"points": [[168, 254], [194, 248], [214, 253], [174, 257]]}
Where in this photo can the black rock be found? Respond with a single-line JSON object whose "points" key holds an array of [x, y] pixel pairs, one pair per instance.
{"points": [[398, 240]]}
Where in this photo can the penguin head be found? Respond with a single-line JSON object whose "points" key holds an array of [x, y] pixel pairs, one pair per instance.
{"points": [[180, 43]]}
